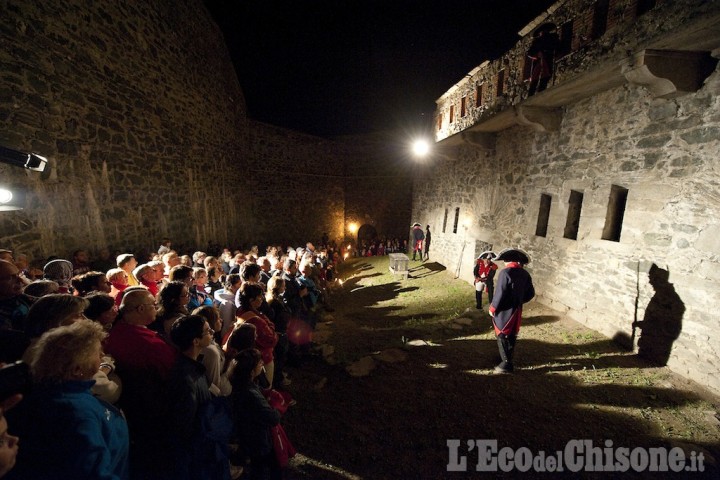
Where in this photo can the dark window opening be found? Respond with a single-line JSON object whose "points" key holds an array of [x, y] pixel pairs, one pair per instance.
{"points": [[600, 16], [439, 122], [501, 82], [572, 225], [445, 220], [644, 6], [615, 213], [543, 215], [566, 36], [452, 113], [479, 96], [457, 217], [463, 106]]}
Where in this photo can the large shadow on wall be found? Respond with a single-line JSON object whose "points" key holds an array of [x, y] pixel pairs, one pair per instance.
{"points": [[662, 322]]}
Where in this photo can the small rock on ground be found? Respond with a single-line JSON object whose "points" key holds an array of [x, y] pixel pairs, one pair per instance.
{"points": [[362, 367]]}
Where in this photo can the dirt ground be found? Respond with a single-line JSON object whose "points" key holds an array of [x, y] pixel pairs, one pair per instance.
{"points": [[432, 382]]}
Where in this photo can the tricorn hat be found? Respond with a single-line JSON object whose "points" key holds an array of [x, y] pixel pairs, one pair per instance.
{"points": [[487, 254], [514, 255]]}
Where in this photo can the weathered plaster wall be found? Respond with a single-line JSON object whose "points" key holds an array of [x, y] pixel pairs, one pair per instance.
{"points": [[663, 151]]}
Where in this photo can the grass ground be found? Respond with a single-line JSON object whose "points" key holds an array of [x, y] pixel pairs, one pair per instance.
{"points": [[395, 423]]}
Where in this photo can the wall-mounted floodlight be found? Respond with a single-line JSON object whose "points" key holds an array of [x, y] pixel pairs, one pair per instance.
{"points": [[353, 228], [31, 161], [420, 148], [9, 201]]}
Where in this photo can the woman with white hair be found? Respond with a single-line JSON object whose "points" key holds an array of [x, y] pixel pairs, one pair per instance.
{"points": [[66, 431]]}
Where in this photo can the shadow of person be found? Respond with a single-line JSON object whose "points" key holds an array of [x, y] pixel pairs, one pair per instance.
{"points": [[662, 323]]}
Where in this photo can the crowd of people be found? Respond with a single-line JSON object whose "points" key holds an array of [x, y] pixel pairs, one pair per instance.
{"points": [[174, 366], [380, 247], [158, 366]]}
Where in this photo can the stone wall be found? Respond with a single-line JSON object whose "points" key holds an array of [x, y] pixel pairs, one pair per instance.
{"points": [[139, 111], [378, 184], [297, 191], [141, 115], [664, 152]]}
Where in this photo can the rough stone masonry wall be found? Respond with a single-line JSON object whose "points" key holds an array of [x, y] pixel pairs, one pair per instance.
{"points": [[297, 192], [138, 108], [663, 151], [378, 185]]}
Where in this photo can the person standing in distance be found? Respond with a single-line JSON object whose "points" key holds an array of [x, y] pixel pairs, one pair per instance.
{"points": [[418, 236], [427, 243]]}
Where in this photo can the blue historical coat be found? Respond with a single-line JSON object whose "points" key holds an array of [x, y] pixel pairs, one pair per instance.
{"points": [[513, 288]]}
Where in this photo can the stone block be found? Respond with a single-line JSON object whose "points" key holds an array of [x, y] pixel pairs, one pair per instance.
{"points": [[657, 239], [709, 239], [662, 109], [701, 135], [654, 142], [362, 367]]}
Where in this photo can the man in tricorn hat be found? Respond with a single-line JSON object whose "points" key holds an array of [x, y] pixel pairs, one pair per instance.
{"points": [[418, 237], [514, 288]]}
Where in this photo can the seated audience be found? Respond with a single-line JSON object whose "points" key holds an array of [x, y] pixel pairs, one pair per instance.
{"points": [[254, 417], [146, 276], [251, 298], [172, 301], [127, 263], [40, 288], [195, 454], [60, 271], [119, 282], [281, 317], [225, 299], [144, 361], [67, 433], [80, 262], [91, 282], [8, 442], [214, 282], [217, 370], [198, 295], [14, 304]]}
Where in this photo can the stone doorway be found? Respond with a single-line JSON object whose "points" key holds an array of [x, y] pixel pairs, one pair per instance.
{"points": [[366, 233]]}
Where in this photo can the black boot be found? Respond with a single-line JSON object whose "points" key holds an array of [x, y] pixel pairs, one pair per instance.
{"points": [[505, 366], [511, 350]]}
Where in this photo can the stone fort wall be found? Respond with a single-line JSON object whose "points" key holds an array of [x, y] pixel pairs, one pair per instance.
{"points": [[140, 113], [662, 152]]}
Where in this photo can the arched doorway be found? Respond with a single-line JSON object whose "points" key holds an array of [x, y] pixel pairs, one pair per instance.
{"points": [[366, 233]]}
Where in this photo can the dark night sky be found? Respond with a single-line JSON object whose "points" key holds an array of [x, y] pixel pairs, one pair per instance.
{"points": [[337, 67]]}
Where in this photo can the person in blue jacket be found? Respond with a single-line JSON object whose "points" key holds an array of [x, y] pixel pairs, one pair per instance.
{"points": [[514, 288], [66, 432]]}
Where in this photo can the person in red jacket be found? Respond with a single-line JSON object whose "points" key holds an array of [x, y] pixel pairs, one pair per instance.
{"points": [[484, 273], [250, 298]]}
